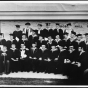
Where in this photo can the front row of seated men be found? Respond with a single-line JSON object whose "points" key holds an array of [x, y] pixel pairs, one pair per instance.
{"points": [[67, 56]]}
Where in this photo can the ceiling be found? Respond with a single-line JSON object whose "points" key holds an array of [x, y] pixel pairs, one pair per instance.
{"points": [[43, 7]]}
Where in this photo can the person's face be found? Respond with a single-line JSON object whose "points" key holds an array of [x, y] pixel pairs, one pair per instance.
{"points": [[18, 28], [79, 38], [69, 27], [49, 38], [86, 37], [13, 46], [79, 49], [33, 45], [39, 27], [23, 36], [47, 26], [53, 47], [72, 35], [57, 37], [66, 36], [57, 26], [71, 48], [60, 47], [0, 36], [22, 46], [27, 26], [11, 37], [4, 48], [40, 37], [43, 46]]}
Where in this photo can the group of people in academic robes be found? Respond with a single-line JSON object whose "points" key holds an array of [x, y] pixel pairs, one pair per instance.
{"points": [[46, 50]]}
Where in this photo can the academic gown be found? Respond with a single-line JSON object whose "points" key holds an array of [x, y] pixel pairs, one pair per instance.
{"points": [[58, 32], [9, 43], [17, 34], [83, 59], [33, 53], [3, 42], [38, 32], [71, 68], [32, 39], [42, 63], [14, 65], [45, 33], [4, 62], [50, 33], [53, 54], [23, 60], [26, 43], [74, 43], [60, 63]]}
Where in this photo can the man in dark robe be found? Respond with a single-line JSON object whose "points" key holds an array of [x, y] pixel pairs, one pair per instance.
{"points": [[54, 52], [14, 60], [61, 57], [40, 41], [17, 33], [58, 31], [72, 40], [86, 41], [43, 58], [82, 62], [49, 42], [39, 30], [11, 41], [65, 41], [47, 31], [23, 58], [33, 38], [27, 30], [25, 41], [71, 60], [2, 41], [57, 40], [33, 56], [4, 60]]}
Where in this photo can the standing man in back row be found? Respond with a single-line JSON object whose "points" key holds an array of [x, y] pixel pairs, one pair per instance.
{"points": [[27, 30]]}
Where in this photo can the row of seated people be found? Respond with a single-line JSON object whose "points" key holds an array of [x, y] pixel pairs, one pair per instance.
{"points": [[57, 60], [62, 58]]}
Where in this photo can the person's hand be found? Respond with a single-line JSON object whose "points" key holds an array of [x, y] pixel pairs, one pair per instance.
{"points": [[35, 58], [56, 59], [73, 62], [78, 64], [68, 61], [17, 39], [40, 58]]}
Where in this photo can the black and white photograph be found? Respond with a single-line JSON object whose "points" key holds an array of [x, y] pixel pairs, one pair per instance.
{"points": [[44, 43]]}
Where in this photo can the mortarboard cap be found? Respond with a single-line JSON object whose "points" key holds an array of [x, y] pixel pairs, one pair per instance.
{"points": [[57, 23], [47, 24], [18, 26], [1, 33], [86, 34], [23, 34], [11, 34], [69, 24], [73, 32], [39, 24], [27, 24], [79, 34], [65, 33]]}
